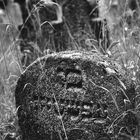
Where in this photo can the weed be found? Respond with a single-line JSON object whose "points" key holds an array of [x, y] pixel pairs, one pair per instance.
{"points": [[123, 23]]}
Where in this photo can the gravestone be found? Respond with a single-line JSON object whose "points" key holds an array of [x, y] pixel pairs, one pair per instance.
{"points": [[73, 95], [75, 26]]}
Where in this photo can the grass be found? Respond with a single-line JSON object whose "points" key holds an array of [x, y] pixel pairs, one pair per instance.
{"points": [[124, 26]]}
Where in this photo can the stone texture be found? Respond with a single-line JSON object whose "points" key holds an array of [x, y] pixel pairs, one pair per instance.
{"points": [[72, 95]]}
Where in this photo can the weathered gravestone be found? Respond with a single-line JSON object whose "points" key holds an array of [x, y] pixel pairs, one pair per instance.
{"points": [[70, 95], [61, 25], [73, 96]]}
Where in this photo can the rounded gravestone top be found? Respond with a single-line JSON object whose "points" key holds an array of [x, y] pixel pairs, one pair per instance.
{"points": [[70, 91]]}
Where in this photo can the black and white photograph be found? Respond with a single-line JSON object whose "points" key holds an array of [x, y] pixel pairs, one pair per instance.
{"points": [[69, 69]]}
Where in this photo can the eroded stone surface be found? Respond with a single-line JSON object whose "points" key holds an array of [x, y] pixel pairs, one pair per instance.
{"points": [[69, 91]]}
